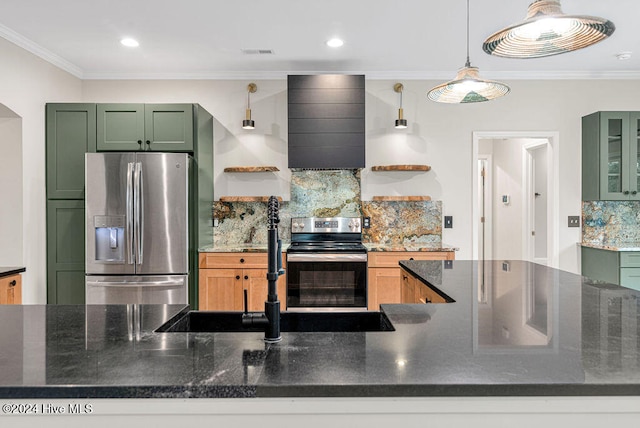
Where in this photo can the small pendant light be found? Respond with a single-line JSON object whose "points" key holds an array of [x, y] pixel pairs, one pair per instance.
{"points": [[467, 87], [547, 31], [248, 123], [401, 122]]}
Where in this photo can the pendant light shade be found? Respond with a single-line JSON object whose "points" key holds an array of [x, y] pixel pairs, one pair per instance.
{"points": [[547, 31], [468, 86], [248, 123]]}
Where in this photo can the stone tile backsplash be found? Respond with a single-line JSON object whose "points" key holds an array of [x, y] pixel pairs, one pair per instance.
{"points": [[610, 222], [333, 193]]}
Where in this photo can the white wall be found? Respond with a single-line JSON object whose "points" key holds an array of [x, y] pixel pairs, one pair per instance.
{"points": [[438, 135], [11, 189], [507, 181], [26, 84]]}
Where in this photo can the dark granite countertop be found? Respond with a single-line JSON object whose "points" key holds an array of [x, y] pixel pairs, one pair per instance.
{"points": [[11, 270], [514, 329]]}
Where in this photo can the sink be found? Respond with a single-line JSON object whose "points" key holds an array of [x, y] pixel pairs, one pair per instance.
{"points": [[220, 322]]}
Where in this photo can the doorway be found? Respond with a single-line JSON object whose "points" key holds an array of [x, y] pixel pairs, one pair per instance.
{"points": [[515, 196]]}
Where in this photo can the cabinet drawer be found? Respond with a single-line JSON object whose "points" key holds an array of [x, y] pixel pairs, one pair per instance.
{"points": [[630, 259], [630, 277], [233, 260], [391, 258]]}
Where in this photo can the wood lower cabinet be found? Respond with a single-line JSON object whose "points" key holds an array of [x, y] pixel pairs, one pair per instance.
{"points": [[11, 290], [415, 291], [384, 282], [223, 277]]}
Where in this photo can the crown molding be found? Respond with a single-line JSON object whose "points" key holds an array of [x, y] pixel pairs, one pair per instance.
{"points": [[39, 51], [371, 75]]}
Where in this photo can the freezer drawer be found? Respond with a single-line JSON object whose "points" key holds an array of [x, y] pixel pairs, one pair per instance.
{"points": [[157, 289]]}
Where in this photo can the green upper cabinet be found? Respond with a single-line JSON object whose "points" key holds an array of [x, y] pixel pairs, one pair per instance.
{"points": [[154, 127], [610, 162], [71, 132]]}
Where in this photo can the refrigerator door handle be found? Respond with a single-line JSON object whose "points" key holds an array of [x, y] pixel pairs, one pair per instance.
{"points": [[139, 211], [136, 283], [129, 212]]}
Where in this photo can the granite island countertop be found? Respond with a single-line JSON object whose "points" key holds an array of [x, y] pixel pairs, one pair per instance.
{"points": [[528, 330]]}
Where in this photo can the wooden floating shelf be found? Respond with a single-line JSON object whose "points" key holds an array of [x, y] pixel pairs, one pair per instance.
{"points": [[401, 198], [247, 199], [400, 168], [251, 169]]}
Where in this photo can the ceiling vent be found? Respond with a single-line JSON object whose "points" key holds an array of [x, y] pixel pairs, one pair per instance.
{"points": [[257, 51]]}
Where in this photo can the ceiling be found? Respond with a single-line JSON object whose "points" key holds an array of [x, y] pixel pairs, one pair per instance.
{"points": [[204, 39]]}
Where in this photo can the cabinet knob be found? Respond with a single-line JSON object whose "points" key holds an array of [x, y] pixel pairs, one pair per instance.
{"points": [[237, 276], [626, 192], [12, 283], [246, 277], [140, 143], [241, 260], [635, 192], [404, 277], [410, 258]]}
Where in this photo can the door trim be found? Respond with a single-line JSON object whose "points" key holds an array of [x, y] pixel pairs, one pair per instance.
{"points": [[553, 138]]}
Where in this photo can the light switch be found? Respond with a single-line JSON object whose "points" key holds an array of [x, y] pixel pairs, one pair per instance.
{"points": [[574, 221], [448, 222]]}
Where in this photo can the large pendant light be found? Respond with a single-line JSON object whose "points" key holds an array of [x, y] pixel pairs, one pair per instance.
{"points": [[547, 31], [467, 87]]}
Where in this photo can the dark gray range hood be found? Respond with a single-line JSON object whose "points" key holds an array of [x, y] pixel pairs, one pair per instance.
{"points": [[326, 121]]}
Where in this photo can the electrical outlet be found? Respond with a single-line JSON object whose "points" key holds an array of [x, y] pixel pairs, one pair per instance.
{"points": [[215, 222], [506, 266], [574, 221], [448, 264], [448, 222], [366, 222]]}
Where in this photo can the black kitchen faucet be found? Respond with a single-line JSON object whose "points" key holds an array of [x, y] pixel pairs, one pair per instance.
{"points": [[270, 319]]}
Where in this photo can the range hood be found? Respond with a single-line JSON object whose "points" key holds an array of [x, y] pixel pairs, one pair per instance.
{"points": [[326, 121]]}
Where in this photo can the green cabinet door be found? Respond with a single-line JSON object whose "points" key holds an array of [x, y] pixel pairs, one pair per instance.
{"points": [[65, 251], [149, 127], [634, 155], [120, 127], [168, 127], [614, 156], [71, 132], [610, 163]]}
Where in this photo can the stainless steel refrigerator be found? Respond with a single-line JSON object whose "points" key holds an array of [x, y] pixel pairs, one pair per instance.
{"points": [[137, 227]]}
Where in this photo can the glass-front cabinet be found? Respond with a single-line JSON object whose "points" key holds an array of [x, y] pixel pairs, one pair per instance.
{"points": [[610, 156]]}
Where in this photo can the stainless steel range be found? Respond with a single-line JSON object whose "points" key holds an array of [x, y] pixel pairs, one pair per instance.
{"points": [[326, 265]]}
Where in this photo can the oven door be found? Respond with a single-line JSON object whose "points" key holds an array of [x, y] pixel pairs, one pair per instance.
{"points": [[326, 281]]}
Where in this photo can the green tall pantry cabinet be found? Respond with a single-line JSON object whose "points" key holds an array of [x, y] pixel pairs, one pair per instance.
{"points": [[73, 129], [70, 133]]}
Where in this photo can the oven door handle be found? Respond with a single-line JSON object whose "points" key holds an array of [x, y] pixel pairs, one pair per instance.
{"points": [[326, 257]]}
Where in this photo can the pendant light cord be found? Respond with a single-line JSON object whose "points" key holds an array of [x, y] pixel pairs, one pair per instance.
{"points": [[468, 63]]}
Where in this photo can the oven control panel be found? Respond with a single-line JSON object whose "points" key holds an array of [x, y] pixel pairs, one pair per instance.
{"points": [[326, 225]]}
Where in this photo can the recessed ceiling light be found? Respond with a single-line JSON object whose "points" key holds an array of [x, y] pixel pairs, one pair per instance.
{"points": [[623, 56], [335, 43], [129, 42]]}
